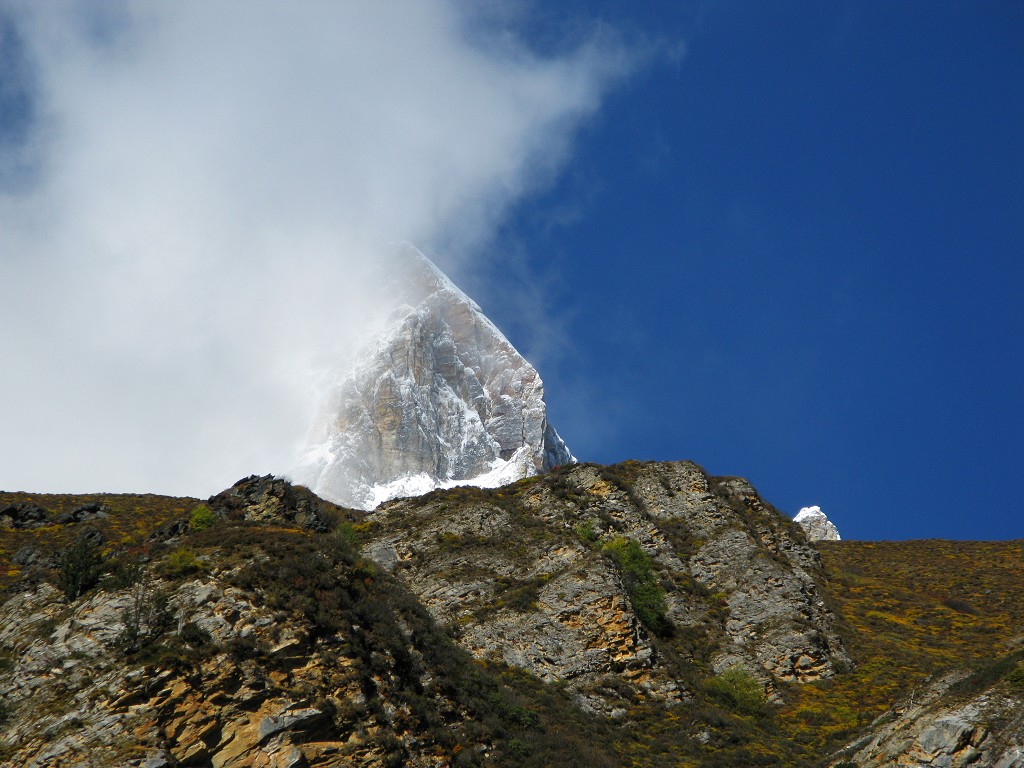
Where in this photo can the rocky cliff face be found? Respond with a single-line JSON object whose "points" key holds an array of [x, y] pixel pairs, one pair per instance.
{"points": [[638, 614], [252, 632], [441, 398], [259, 641], [531, 575]]}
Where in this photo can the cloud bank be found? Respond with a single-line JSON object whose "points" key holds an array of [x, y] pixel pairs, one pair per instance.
{"points": [[191, 197]]}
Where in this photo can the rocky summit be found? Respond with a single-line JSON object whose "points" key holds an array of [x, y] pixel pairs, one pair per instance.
{"points": [[441, 398], [816, 524]]}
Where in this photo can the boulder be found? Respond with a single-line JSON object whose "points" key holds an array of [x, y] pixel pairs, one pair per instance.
{"points": [[24, 514]]}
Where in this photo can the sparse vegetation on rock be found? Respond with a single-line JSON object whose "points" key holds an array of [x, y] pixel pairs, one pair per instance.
{"points": [[641, 583]]}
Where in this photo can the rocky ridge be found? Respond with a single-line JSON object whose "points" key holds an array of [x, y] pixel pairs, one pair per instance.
{"points": [[262, 641], [441, 398], [524, 575], [637, 614], [252, 633]]}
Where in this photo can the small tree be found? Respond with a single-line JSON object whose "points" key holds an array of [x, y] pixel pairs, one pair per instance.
{"points": [[147, 616], [81, 567]]}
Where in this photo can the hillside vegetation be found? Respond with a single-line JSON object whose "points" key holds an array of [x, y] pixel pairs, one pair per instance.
{"points": [[266, 624], [912, 609]]}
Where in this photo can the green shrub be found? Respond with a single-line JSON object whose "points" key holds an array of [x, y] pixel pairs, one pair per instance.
{"points": [[1016, 676], [182, 562], [517, 748], [587, 532], [738, 689], [347, 535], [520, 595], [202, 517], [641, 583], [125, 573]]}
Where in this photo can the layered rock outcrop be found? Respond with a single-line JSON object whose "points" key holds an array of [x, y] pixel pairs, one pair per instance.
{"points": [[262, 642], [637, 614], [524, 574], [440, 399], [264, 639]]}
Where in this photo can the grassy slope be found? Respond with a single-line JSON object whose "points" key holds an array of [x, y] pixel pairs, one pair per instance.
{"points": [[911, 609], [132, 518]]}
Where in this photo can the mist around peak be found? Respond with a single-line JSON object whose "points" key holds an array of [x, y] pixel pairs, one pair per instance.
{"points": [[192, 210], [439, 398]]}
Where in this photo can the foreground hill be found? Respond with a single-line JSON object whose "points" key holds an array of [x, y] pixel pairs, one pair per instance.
{"points": [[641, 614]]}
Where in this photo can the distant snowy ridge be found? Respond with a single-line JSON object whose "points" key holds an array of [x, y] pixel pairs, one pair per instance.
{"points": [[816, 524], [441, 398]]}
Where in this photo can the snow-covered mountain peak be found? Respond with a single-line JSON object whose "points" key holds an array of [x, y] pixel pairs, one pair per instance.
{"points": [[441, 398], [816, 524]]}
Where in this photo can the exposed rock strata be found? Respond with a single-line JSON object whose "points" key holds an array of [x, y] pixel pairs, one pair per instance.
{"points": [[278, 645], [79, 704], [227, 679], [736, 574]]}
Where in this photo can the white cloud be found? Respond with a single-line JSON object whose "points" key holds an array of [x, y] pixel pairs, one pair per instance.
{"points": [[196, 245]]}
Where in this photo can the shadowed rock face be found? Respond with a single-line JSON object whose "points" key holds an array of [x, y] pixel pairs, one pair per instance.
{"points": [[441, 398]]}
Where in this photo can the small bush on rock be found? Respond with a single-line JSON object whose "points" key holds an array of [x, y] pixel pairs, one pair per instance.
{"points": [[182, 562], [641, 583], [738, 689]]}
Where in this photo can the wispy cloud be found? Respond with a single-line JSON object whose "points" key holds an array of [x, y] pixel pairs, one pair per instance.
{"points": [[200, 191]]}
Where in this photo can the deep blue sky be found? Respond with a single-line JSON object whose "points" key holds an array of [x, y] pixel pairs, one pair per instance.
{"points": [[787, 246], [795, 255]]}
